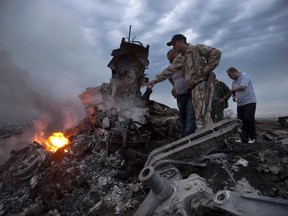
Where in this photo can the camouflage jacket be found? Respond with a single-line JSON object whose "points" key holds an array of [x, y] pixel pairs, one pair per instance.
{"points": [[200, 61], [177, 65]]}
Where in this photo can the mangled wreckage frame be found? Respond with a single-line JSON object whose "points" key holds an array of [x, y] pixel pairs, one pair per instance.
{"points": [[172, 195]]}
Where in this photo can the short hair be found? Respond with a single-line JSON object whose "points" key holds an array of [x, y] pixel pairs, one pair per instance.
{"points": [[232, 69], [171, 55], [171, 51]]}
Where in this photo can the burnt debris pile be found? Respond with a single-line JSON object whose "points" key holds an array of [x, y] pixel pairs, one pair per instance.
{"points": [[83, 178]]}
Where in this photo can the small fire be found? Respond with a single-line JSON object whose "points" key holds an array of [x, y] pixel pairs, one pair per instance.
{"points": [[55, 141]]}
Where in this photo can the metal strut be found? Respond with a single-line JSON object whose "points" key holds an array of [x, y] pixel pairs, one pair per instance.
{"points": [[195, 145]]}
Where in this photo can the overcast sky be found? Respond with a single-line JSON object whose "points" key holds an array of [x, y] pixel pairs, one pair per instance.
{"points": [[60, 47]]}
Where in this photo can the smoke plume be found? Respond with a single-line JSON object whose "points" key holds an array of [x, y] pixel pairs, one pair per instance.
{"points": [[45, 63]]}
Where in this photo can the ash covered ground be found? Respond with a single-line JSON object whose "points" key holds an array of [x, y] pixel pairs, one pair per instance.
{"points": [[89, 177]]}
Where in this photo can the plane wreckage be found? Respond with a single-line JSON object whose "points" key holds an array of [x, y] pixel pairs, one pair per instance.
{"points": [[126, 157]]}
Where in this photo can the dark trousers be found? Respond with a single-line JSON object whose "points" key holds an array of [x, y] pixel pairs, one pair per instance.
{"points": [[217, 112], [186, 114], [246, 114]]}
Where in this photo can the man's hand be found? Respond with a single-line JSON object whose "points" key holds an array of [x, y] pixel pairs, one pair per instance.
{"points": [[149, 84]]}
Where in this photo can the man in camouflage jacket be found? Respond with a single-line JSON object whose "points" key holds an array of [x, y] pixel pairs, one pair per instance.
{"points": [[197, 63]]}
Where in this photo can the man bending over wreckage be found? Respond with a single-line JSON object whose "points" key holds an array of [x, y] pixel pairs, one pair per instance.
{"points": [[199, 62]]}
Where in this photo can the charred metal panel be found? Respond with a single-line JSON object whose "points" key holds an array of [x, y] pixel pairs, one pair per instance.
{"points": [[128, 65], [138, 51]]}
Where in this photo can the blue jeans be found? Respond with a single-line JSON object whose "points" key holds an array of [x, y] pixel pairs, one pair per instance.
{"points": [[186, 114]]}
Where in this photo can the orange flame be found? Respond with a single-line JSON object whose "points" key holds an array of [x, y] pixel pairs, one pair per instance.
{"points": [[57, 140], [54, 142]]}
